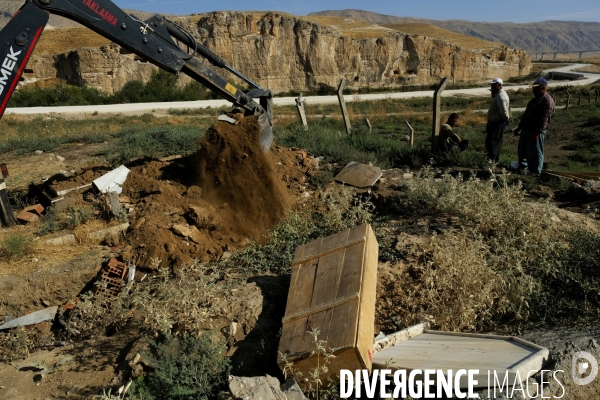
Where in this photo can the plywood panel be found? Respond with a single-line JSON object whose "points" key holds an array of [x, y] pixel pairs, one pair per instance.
{"points": [[344, 325], [326, 292], [301, 292], [367, 299]]}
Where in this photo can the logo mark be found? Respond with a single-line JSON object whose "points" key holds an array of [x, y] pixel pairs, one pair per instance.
{"points": [[579, 368]]}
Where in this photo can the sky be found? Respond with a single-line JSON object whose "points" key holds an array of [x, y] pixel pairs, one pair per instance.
{"points": [[518, 11]]}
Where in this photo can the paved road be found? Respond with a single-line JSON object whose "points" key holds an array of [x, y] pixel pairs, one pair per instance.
{"points": [[141, 108]]}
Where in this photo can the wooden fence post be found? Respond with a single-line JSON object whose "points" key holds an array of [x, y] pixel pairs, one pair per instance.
{"points": [[301, 112], [340, 96], [435, 130], [579, 98], [412, 134], [589, 96], [568, 100], [6, 215], [597, 91], [369, 125]]}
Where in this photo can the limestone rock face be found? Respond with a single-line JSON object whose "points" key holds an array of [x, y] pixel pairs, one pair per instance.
{"points": [[282, 52], [106, 69]]}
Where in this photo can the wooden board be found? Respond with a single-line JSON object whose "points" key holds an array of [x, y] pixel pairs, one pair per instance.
{"points": [[419, 348], [332, 289]]}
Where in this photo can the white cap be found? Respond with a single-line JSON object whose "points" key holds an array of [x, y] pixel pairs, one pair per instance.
{"points": [[497, 80]]}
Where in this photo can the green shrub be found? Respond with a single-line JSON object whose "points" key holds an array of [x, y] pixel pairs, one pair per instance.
{"points": [[344, 211], [16, 245], [155, 142], [187, 367], [71, 218], [77, 215]]}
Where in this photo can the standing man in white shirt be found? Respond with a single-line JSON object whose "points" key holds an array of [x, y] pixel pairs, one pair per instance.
{"points": [[497, 120]]}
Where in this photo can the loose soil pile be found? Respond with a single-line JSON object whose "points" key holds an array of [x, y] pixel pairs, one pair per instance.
{"points": [[234, 170], [215, 201]]}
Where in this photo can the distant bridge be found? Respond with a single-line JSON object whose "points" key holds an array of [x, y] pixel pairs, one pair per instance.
{"points": [[540, 56]]}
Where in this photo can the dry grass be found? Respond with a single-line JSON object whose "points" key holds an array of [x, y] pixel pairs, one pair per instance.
{"points": [[435, 32], [492, 269], [589, 68], [354, 28], [56, 41]]}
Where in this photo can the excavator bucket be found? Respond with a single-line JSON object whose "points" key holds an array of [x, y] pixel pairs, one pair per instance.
{"points": [[266, 132], [265, 120]]}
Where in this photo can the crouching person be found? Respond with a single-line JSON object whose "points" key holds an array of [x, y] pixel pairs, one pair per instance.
{"points": [[449, 141]]}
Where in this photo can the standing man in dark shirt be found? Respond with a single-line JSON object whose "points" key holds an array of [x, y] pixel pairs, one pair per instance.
{"points": [[533, 127]]}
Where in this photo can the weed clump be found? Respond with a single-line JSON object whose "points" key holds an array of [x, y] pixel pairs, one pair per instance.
{"points": [[70, 218], [16, 344], [511, 261], [16, 245], [184, 367]]}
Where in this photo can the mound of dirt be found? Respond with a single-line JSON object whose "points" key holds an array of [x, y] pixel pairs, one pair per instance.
{"points": [[217, 200], [234, 171]]}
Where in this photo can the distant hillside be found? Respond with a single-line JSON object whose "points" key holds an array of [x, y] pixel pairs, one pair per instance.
{"points": [[532, 37]]}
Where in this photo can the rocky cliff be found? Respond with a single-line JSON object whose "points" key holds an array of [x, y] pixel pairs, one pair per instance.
{"points": [[284, 53]]}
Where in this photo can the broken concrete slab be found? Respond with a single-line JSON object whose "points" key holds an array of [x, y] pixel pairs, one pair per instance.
{"points": [[61, 240], [112, 181], [359, 175], [417, 347], [31, 319], [113, 230], [116, 208]]}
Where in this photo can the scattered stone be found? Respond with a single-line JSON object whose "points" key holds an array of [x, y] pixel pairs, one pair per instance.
{"points": [[126, 253], [255, 388], [292, 390], [38, 152], [188, 232], [138, 224]]}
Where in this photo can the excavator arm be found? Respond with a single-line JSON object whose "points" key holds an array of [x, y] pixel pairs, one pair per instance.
{"points": [[152, 40]]}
